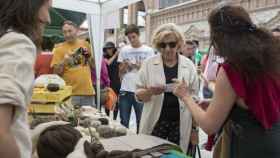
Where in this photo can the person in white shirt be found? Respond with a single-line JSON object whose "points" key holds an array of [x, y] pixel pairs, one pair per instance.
{"points": [[130, 59], [21, 28]]}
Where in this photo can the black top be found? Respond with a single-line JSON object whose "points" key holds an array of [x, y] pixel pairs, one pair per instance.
{"points": [[249, 138], [170, 109], [113, 71]]}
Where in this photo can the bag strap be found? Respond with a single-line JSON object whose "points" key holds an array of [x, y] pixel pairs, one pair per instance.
{"points": [[198, 151], [160, 148], [193, 150]]}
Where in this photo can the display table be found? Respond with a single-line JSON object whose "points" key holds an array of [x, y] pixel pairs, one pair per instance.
{"points": [[132, 142]]}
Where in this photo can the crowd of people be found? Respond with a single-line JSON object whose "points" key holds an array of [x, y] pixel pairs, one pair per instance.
{"points": [[231, 92]]}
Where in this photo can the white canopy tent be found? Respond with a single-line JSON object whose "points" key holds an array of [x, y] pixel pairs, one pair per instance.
{"points": [[96, 11]]}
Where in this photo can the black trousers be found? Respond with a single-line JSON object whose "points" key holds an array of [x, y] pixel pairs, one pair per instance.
{"points": [[169, 130], [115, 113]]}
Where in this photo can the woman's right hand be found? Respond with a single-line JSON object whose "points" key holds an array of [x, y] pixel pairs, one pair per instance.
{"points": [[156, 90], [143, 95], [181, 89]]}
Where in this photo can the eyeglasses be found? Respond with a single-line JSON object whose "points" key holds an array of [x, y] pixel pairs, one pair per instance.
{"points": [[170, 44]]}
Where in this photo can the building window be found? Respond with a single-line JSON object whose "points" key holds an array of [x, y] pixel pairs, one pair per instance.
{"points": [[168, 3], [140, 17]]}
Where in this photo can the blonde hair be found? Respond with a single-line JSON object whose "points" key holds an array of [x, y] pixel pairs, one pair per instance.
{"points": [[165, 30]]}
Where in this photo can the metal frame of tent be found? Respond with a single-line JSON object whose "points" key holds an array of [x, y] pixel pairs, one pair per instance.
{"points": [[96, 11]]}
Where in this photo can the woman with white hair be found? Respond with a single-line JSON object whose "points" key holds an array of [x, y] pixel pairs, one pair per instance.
{"points": [[164, 115]]}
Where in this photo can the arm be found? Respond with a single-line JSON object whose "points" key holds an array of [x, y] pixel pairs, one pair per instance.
{"points": [[122, 64], [8, 146], [58, 69], [92, 62], [143, 95], [123, 67], [58, 62], [18, 55], [91, 59], [212, 119], [105, 74], [110, 61], [144, 92], [136, 66]]}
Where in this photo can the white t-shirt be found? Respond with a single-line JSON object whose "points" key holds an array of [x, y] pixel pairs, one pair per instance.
{"points": [[133, 55]]}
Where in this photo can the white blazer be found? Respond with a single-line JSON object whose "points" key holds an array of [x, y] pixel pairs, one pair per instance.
{"points": [[17, 58], [152, 73]]}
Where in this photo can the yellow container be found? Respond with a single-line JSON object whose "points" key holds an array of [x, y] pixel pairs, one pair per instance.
{"points": [[42, 95], [49, 108], [43, 108]]}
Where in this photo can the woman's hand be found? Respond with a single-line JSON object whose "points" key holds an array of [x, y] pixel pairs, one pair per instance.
{"points": [[117, 53], [181, 89], [156, 90], [143, 95]]}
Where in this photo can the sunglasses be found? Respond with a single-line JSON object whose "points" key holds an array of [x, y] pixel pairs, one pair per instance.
{"points": [[170, 44]]}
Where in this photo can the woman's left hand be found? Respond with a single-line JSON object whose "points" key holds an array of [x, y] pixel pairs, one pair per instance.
{"points": [[181, 89]]}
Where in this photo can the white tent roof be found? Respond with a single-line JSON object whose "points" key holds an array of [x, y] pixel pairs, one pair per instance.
{"points": [[96, 11], [96, 7], [98, 1]]}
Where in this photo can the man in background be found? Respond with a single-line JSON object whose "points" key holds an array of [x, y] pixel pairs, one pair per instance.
{"points": [[130, 59], [188, 50], [74, 67], [197, 53]]}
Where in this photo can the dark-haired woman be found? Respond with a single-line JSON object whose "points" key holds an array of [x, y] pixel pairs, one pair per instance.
{"points": [[21, 26], [247, 91], [111, 56]]}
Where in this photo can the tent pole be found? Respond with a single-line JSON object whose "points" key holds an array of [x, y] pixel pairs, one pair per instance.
{"points": [[98, 71]]}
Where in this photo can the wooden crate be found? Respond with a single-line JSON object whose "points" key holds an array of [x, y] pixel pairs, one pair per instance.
{"points": [[42, 95]]}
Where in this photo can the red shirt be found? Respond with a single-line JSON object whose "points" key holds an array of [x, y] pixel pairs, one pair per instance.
{"points": [[261, 95], [43, 62]]}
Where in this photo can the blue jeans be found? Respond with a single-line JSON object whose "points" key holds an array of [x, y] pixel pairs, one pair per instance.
{"points": [[81, 100], [127, 100]]}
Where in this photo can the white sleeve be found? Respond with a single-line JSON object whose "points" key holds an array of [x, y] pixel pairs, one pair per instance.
{"points": [[152, 52], [141, 81], [17, 57], [121, 55]]}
